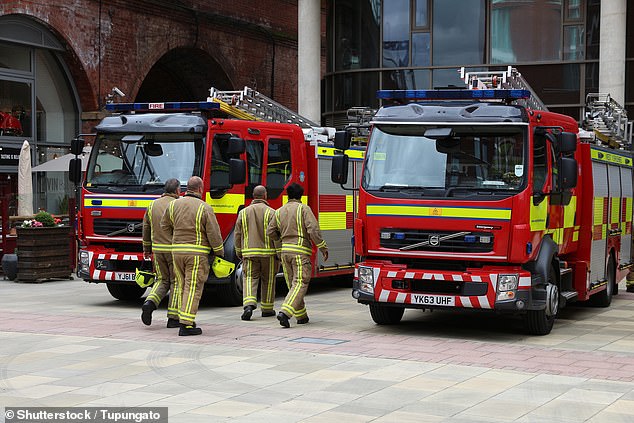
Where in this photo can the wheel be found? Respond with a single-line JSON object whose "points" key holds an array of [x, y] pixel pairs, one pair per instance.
{"points": [[384, 315], [540, 322], [125, 292], [604, 298], [230, 294]]}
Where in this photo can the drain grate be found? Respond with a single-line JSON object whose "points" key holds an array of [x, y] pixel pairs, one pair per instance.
{"points": [[323, 341]]}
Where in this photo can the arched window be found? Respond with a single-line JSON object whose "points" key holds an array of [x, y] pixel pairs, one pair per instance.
{"points": [[38, 103]]}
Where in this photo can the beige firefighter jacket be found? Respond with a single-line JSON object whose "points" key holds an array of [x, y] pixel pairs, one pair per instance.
{"points": [[193, 226], [296, 226], [250, 234], [154, 237]]}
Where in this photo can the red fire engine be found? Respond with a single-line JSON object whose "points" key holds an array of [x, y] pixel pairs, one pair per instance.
{"points": [[140, 146], [470, 201]]}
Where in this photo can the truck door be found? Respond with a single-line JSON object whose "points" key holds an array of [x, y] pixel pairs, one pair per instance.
{"points": [[600, 220], [626, 214]]}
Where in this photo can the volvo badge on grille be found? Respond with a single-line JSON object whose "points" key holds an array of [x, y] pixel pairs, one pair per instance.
{"points": [[130, 227], [434, 240]]}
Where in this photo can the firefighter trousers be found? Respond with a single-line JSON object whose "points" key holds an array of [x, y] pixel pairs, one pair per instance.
{"points": [[165, 282], [259, 272], [192, 272], [297, 271]]}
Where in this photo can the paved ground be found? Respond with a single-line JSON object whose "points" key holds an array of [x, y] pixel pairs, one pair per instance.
{"points": [[68, 343]]}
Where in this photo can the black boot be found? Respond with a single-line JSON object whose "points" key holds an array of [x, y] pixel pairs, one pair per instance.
{"points": [[268, 313], [248, 312], [189, 330], [173, 323], [146, 312], [283, 318], [303, 320]]}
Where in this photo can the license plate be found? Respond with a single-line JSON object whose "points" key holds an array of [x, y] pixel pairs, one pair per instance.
{"points": [[121, 276], [436, 300]]}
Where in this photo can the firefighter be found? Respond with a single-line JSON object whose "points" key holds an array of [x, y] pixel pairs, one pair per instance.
{"points": [[295, 225], [196, 234], [158, 242], [258, 255]]}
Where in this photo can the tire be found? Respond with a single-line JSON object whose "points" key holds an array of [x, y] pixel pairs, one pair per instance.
{"points": [[540, 322], [384, 315], [125, 292], [230, 294], [604, 298]]}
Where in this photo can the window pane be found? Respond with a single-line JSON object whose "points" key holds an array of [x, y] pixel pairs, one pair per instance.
{"points": [[395, 33], [255, 151], [15, 109], [459, 32], [573, 42], [406, 80], [278, 170], [53, 190], [356, 34], [356, 89], [56, 111], [443, 78], [592, 29], [422, 15], [573, 10], [420, 49], [15, 57], [526, 31], [555, 84]]}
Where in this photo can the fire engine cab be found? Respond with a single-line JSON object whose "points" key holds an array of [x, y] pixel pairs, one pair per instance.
{"points": [[142, 145], [482, 199]]}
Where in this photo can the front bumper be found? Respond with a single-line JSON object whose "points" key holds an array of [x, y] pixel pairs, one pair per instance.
{"points": [[474, 288]]}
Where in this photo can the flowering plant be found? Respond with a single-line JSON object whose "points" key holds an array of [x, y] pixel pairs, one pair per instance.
{"points": [[42, 219]]}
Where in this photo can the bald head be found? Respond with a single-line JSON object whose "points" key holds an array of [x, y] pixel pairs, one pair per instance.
{"points": [[195, 184], [259, 192]]}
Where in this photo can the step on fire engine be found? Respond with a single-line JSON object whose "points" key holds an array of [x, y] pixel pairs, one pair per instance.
{"points": [[142, 145], [482, 199]]}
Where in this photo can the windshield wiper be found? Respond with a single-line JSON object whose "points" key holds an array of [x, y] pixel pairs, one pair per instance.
{"points": [[484, 190]]}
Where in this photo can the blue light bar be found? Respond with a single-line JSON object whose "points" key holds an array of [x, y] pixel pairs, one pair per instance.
{"points": [[162, 107], [453, 94]]}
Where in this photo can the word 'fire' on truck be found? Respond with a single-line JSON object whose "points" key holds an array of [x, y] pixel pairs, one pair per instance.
{"points": [[142, 145], [468, 200]]}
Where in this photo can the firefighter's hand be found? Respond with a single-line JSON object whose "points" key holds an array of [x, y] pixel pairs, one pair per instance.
{"points": [[147, 256], [324, 253]]}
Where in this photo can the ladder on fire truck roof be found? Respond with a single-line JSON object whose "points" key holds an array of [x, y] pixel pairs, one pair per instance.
{"points": [[249, 104], [607, 119], [510, 79]]}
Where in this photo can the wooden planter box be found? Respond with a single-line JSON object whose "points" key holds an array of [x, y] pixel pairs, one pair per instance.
{"points": [[43, 253]]}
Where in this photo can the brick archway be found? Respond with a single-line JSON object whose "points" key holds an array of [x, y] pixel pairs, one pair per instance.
{"points": [[183, 74]]}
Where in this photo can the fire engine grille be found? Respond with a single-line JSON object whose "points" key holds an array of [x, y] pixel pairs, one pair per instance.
{"points": [[124, 227], [444, 241]]}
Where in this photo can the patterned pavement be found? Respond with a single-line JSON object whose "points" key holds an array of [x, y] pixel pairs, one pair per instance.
{"points": [[68, 343]]}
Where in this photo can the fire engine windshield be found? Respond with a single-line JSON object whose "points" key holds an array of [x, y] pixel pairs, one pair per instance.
{"points": [[446, 161], [144, 159]]}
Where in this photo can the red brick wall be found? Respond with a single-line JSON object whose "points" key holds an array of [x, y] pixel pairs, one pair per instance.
{"points": [[252, 42]]}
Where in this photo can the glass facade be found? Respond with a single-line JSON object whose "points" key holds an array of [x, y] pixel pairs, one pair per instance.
{"points": [[422, 44], [38, 104]]}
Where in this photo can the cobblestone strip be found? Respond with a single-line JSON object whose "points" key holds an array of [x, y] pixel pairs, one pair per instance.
{"points": [[532, 359]]}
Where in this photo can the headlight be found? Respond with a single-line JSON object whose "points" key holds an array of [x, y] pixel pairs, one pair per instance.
{"points": [[84, 258], [366, 279], [507, 285]]}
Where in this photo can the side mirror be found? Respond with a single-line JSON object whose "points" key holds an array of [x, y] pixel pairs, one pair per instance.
{"points": [[77, 146], [342, 140], [236, 146], [153, 150], [339, 169], [75, 171], [568, 171], [567, 142], [237, 171]]}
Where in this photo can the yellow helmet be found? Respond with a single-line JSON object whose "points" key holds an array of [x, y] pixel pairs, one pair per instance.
{"points": [[144, 277], [222, 268]]}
